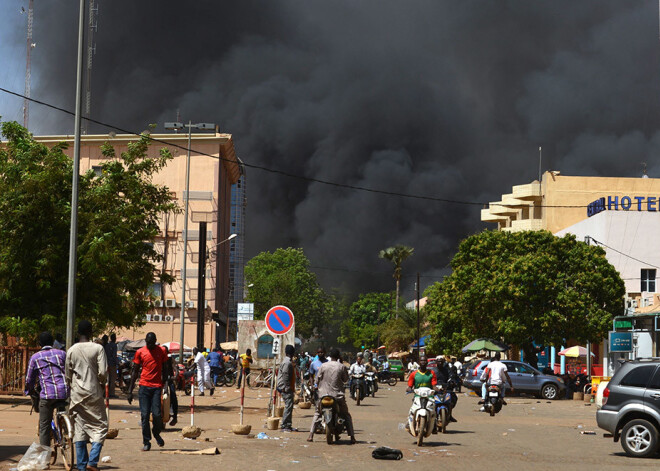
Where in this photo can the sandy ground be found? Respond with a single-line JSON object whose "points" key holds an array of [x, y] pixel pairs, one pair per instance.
{"points": [[528, 433]]}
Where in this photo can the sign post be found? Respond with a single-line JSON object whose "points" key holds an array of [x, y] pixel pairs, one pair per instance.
{"points": [[279, 321]]}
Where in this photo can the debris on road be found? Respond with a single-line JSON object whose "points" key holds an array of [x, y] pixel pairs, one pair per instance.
{"points": [[205, 451]]}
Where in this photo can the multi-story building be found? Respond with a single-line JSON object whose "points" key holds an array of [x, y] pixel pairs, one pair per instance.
{"points": [[617, 213], [214, 168], [237, 252]]}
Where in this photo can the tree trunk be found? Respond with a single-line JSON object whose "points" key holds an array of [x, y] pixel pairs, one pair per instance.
{"points": [[396, 313]]}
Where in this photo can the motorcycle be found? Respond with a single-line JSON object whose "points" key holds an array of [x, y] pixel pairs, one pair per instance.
{"points": [[331, 421], [422, 416], [124, 375], [493, 403], [372, 384], [444, 404], [358, 388], [387, 377], [227, 377]]}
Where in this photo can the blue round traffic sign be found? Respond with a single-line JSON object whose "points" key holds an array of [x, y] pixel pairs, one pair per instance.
{"points": [[279, 320]]}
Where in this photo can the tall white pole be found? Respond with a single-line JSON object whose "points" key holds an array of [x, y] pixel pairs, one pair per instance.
{"points": [[185, 243], [73, 236]]}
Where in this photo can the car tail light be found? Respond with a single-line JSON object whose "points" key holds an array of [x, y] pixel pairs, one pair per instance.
{"points": [[474, 372], [606, 394]]}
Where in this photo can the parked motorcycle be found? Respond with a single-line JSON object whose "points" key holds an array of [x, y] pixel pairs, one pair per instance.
{"points": [[387, 377], [422, 415], [372, 384], [331, 421], [226, 378], [358, 388], [124, 375], [493, 403]]}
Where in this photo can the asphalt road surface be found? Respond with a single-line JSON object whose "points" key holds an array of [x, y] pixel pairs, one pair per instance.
{"points": [[528, 434]]}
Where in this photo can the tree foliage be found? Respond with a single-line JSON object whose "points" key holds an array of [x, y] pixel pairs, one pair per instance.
{"points": [[397, 255], [365, 315], [523, 287], [117, 223], [283, 278]]}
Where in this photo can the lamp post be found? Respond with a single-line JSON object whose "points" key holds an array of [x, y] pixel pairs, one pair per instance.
{"points": [[190, 126]]}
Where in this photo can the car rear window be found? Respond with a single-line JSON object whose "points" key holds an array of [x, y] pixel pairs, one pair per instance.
{"points": [[638, 377]]}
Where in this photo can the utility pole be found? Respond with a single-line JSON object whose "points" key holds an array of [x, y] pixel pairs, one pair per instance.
{"points": [[28, 59], [92, 27], [419, 340]]}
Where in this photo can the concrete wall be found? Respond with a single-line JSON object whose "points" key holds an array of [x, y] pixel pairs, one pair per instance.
{"points": [[248, 334]]}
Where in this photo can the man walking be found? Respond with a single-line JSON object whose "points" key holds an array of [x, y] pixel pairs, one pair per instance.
{"points": [[152, 359], [286, 385], [217, 365], [203, 372], [47, 369], [86, 374], [331, 378]]}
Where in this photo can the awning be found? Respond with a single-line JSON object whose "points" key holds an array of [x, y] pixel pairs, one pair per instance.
{"points": [[229, 345], [422, 342]]}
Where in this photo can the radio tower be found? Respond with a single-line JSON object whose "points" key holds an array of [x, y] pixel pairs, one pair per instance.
{"points": [[92, 26], [30, 45]]}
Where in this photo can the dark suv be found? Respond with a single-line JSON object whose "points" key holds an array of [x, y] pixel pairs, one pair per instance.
{"points": [[631, 407]]}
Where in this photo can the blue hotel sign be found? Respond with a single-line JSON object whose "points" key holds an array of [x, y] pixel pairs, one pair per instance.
{"points": [[624, 203], [621, 342]]}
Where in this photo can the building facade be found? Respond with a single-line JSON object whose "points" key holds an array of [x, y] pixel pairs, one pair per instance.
{"points": [[214, 168], [622, 215]]}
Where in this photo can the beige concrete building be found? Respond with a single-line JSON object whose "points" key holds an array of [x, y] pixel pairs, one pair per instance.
{"points": [[558, 201], [620, 214], [211, 177]]}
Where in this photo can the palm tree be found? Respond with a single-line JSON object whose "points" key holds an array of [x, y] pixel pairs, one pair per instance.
{"points": [[397, 255]]}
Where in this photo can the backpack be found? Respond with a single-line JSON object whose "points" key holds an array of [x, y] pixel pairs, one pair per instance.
{"points": [[386, 453]]}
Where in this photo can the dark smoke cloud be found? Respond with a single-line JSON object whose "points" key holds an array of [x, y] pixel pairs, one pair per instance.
{"points": [[446, 99]]}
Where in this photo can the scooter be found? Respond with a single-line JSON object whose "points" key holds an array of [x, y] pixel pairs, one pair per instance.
{"points": [[331, 421], [422, 415], [372, 384], [493, 403], [386, 376], [444, 403], [358, 388]]}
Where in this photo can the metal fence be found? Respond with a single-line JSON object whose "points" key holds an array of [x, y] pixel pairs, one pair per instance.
{"points": [[13, 366]]}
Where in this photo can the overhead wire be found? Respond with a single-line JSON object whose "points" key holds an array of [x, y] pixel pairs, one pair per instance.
{"points": [[282, 172]]}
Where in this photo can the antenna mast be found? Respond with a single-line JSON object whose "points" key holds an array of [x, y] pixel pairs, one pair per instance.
{"points": [[92, 27], [30, 45]]}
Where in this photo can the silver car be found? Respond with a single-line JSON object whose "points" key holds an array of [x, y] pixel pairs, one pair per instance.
{"points": [[524, 377]]}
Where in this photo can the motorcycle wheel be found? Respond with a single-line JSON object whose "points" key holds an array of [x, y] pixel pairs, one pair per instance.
{"points": [[230, 380], [443, 420], [328, 435], [421, 430], [373, 391], [392, 381], [492, 410], [358, 396]]}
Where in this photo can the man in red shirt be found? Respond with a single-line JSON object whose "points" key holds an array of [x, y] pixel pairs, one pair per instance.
{"points": [[152, 359]]}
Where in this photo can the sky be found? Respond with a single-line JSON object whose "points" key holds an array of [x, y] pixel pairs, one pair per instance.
{"points": [[448, 100]]}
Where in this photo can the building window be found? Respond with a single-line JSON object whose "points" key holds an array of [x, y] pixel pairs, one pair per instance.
{"points": [[648, 280], [98, 170]]}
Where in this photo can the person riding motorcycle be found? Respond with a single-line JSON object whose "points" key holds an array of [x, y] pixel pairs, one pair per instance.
{"points": [[495, 373], [356, 368], [421, 377], [444, 376], [331, 378]]}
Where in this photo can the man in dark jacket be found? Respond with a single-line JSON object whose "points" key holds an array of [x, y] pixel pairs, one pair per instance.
{"points": [[286, 385]]}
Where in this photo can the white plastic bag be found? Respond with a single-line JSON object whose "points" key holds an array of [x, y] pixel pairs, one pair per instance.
{"points": [[35, 458]]}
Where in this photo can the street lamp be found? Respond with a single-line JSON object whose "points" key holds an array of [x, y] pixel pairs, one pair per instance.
{"points": [[190, 126]]}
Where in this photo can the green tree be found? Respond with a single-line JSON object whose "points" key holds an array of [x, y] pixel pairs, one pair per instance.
{"points": [[117, 223], [365, 315], [524, 287], [397, 255], [283, 278]]}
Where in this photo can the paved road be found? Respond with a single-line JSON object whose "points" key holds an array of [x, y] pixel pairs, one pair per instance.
{"points": [[529, 433]]}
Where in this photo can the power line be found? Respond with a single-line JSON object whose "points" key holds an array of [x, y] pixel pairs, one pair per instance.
{"points": [[282, 172], [624, 254]]}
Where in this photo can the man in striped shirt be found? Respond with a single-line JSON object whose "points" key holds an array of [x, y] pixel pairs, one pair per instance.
{"points": [[47, 366]]}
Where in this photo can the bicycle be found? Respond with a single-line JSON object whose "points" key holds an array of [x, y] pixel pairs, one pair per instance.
{"points": [[62, 437], [259, 380]]}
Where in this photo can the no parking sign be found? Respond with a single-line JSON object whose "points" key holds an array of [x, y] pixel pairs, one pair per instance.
{"points": [[279, 320]]}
